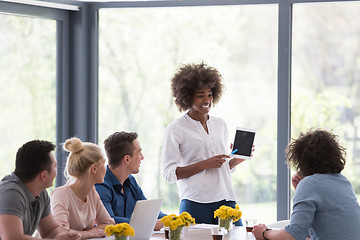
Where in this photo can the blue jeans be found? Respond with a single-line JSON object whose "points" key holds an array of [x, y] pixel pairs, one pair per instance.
{"points": [[204, 212]]}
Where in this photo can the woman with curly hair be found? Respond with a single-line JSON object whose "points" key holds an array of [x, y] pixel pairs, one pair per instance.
{"points": [[77, 205], [324, 205], [195, 145]]}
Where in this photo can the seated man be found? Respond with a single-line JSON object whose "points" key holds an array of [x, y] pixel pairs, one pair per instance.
{"points": [[24, 201], [120, 191]]}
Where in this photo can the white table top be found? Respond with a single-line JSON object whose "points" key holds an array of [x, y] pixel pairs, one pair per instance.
{"points": [[200, 232], [204, 233]]}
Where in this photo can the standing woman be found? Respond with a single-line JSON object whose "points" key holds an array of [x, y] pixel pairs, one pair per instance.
{"points": [[195, 147], [77, 205]]}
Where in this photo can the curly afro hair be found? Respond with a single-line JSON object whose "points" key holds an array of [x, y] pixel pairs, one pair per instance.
{"points": [[316, 151], [191, 77]]}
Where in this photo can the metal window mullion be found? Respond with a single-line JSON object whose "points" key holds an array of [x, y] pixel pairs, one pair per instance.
{"points": [[284, 108]]}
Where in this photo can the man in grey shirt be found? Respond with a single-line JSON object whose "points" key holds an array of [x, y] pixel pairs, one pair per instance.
{"points": [[24, 202]]}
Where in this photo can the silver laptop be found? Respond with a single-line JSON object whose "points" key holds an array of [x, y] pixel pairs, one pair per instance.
{"points": [[144, 218]]}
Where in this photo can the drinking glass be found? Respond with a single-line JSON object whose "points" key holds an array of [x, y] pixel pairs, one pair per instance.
{"points": [[250, 223], [218, 233]]}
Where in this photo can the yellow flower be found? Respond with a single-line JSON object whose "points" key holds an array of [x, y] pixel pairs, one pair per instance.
{"points": [[120, 229], [129, 232], [108, 229], [173, 225], [173, 221], [226, 212], [180, 222]]}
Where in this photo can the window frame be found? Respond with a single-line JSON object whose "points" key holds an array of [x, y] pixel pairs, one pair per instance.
{"points": [[284, 80], [77, 72]]}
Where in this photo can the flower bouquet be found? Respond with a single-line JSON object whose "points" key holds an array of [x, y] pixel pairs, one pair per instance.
{"points": [[121, 231], [176, 224], [227, 215]]}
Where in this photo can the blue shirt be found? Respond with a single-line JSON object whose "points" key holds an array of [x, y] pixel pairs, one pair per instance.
{"points": [[325, 206], [120, 205]]}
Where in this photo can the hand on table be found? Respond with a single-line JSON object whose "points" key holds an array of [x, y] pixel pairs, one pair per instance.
{"points": [[258, 231], [158, 225], [97, 232], [69, 235]]}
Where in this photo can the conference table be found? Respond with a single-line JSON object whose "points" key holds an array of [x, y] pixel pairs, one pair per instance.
{"points": [[200, 232], [203, 232]]}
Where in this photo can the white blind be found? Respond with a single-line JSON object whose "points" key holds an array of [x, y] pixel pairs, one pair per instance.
{"points": [[45, 4]]}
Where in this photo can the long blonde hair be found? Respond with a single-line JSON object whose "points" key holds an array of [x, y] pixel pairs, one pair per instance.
{"points": [[82, 156]]}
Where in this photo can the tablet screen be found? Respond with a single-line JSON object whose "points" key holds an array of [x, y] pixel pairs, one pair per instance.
{"points": [[244, 140]]}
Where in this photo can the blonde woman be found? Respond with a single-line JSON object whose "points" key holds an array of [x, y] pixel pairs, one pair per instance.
{"points": [[76, 205]]}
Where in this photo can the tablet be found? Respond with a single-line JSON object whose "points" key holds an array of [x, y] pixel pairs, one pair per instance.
{"points": [[243, 143]]}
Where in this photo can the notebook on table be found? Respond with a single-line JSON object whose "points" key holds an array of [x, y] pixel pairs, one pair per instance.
{"points": [[144, 217]]}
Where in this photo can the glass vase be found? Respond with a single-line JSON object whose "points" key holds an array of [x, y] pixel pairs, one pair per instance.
{"points": [[176, 234], [227, 224], [122, 237]]}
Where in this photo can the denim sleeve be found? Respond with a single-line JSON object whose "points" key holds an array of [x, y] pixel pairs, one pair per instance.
{"points": [[161, 214], [106, 197], [139, 193], [121, 219], [304, 208]]}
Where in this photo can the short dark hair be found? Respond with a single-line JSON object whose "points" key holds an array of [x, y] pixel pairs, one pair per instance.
{"points": [[32, 158], [118, 145], [317, 151], [191, 77]]}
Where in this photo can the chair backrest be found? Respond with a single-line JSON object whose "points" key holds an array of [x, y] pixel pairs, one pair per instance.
{"points": [[279, 224]]}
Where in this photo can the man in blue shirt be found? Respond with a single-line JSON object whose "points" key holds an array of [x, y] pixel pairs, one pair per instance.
{"points": [[120, 191]]}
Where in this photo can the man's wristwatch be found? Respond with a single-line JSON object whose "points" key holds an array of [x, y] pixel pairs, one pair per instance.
{"points": [[264, 234]]}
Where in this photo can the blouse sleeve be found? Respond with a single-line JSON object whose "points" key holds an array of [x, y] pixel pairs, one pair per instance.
{"points": [[170, 156], [59, 207], [102, 215]]}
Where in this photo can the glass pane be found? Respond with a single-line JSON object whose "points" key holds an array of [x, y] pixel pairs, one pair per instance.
{"points": [[27, 92], [139, 55], [325, 79]]}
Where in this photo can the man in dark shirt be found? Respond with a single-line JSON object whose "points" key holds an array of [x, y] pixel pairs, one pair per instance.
{"points": [[120, 191], [24, 202]]}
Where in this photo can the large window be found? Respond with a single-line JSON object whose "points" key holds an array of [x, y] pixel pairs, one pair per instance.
{"points": [[139, 51], [326, 75], [27, 79]]}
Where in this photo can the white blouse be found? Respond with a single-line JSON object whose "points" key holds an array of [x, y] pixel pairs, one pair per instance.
{"points": [[185, 143]]}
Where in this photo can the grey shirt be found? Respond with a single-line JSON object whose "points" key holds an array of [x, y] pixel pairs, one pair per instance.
{"points": [[325, 206], [16, 199]]}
